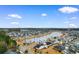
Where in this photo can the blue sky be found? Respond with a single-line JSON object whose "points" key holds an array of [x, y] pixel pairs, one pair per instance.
{"points": [[43, 16]]}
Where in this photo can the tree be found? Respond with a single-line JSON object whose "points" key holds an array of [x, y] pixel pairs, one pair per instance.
{"points": [[6, 42], [3, 47]]}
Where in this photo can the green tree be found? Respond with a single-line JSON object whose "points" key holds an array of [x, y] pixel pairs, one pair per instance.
{"points": [[6, 42]]}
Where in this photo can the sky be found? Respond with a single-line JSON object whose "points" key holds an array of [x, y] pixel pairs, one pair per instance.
{"points": [[39, 16]]}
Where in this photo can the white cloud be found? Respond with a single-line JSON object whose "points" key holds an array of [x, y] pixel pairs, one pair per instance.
{"points": [[15, 23], [68, 10], [72, 26], [73, 18], [14, 16], [43, 14]]}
